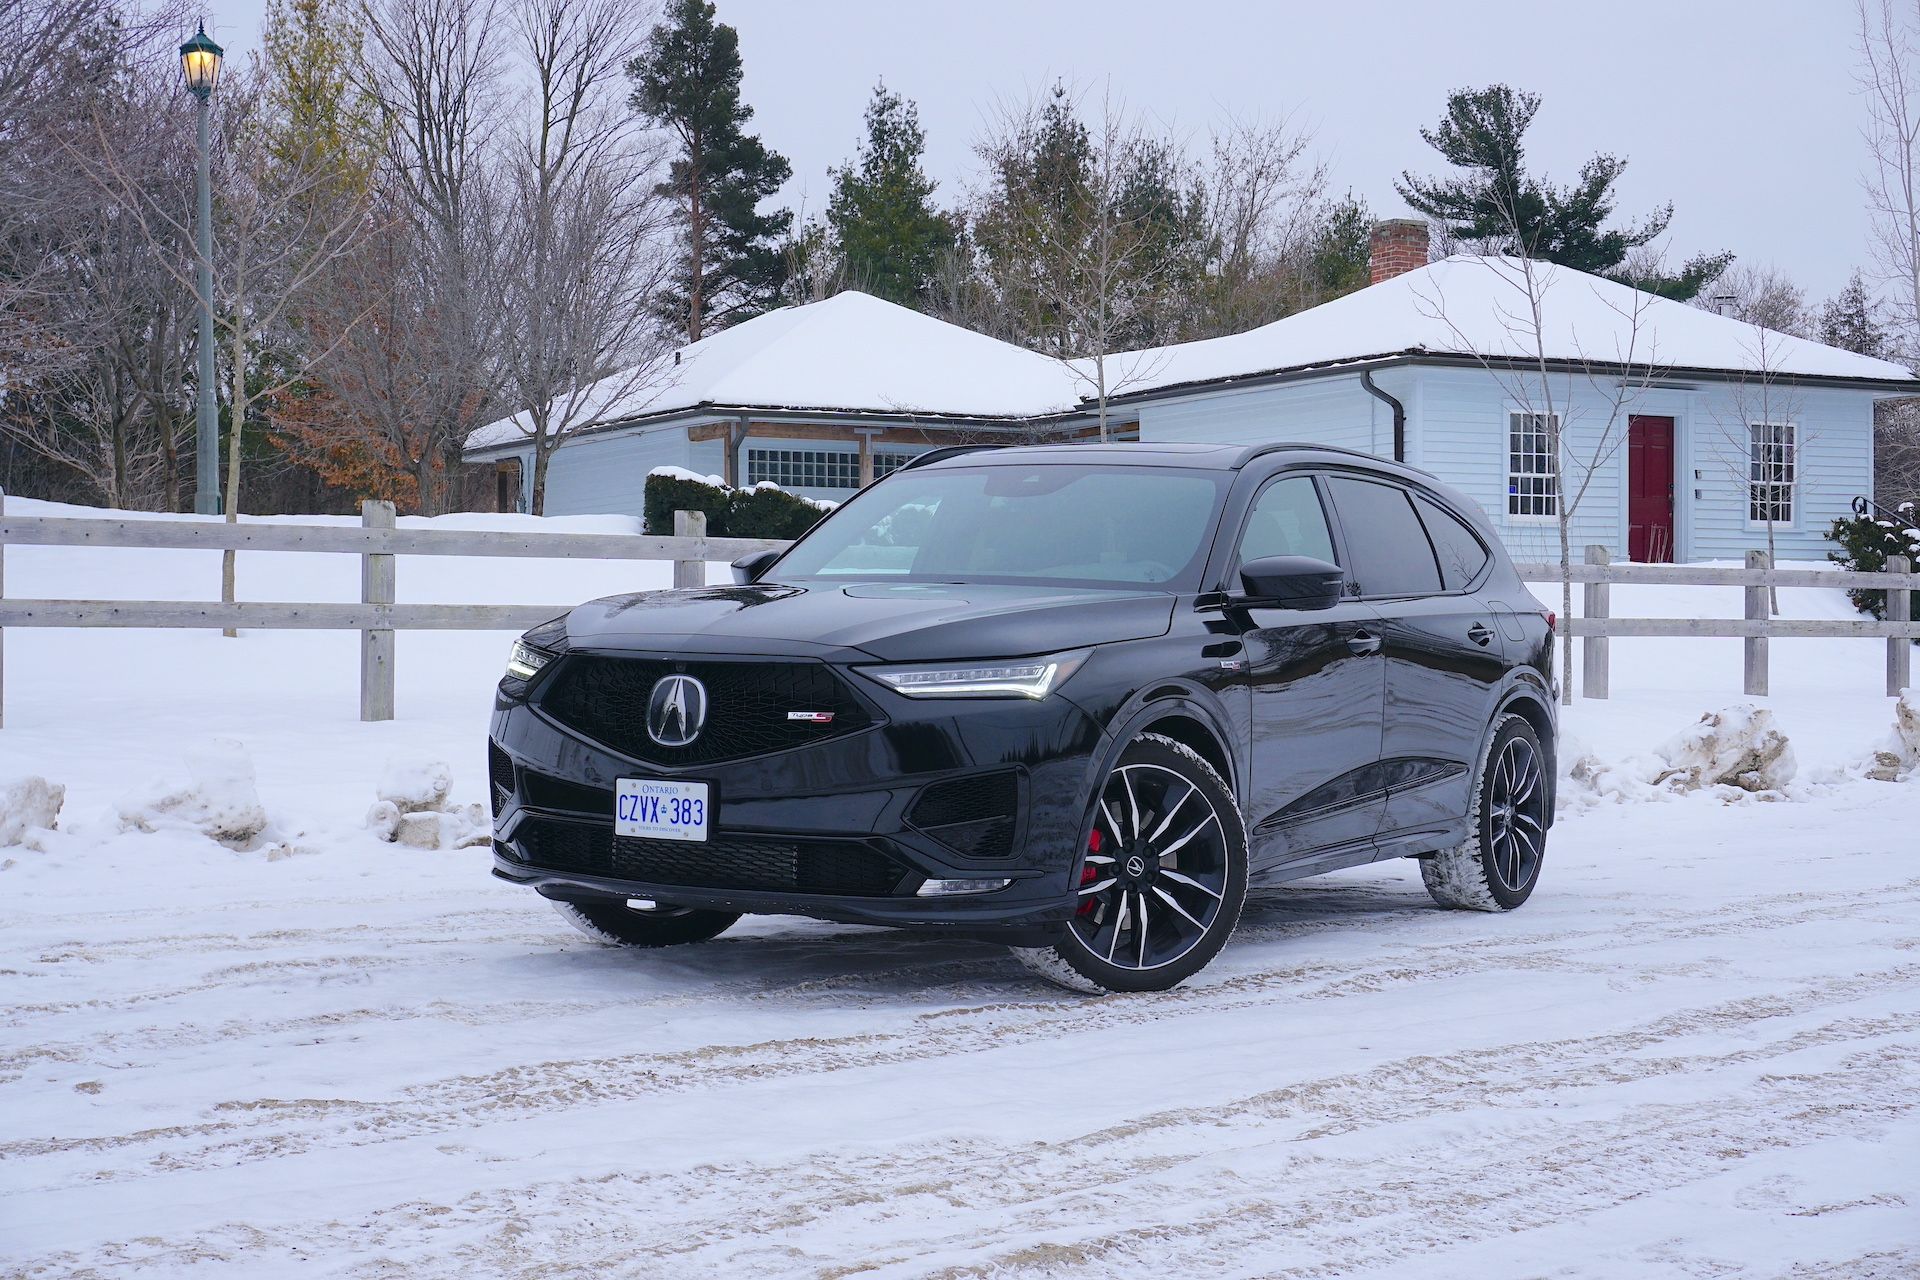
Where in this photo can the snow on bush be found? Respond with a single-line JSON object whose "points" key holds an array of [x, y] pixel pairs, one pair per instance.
{"points": [[1737, 748], [1900, 758], [28, 804], [221, 802], [412, 808]]}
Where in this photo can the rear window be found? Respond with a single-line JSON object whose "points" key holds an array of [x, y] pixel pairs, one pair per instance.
{"points": [[1385, 541], [1462, 555]]}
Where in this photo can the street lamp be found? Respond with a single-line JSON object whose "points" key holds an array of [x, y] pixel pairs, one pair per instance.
{"points": [[200, 64]]}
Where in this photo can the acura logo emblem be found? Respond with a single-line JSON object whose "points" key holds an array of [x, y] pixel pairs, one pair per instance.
{"points": [[677, 710]]}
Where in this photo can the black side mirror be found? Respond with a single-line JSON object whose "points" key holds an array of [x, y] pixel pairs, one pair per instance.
{"points": [[1293, 582], [748, 568]]}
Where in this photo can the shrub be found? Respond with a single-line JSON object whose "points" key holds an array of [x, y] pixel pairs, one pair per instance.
{"points": [[765, 511], [1865, 544], [671, 491]]}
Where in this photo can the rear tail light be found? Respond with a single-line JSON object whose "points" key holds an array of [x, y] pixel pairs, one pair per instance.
{"points": [[1552, 619]]}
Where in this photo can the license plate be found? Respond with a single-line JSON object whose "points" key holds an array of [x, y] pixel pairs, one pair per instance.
{"points": [[656, 809]]}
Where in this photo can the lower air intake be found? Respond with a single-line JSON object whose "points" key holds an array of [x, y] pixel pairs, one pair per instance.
{"points": [[844, 867]]}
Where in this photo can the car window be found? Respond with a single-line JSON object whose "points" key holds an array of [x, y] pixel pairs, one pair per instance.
{"points": [[1064, 523], [1388, 547], [1286, 520], [1462, 555]]}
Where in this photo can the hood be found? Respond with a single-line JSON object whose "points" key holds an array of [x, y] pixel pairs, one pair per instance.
{"points": [[894, 622]]}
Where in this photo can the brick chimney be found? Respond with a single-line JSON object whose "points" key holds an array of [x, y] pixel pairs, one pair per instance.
{"points": [[1399, 245]]}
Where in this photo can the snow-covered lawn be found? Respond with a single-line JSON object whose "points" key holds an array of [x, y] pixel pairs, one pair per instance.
{"points": [[1695, 1052]]}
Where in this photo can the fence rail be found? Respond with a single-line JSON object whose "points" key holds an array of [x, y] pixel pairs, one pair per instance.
{"points": [[377, 616], [376, 541]]}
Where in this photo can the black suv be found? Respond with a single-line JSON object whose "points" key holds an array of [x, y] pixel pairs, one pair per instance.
{"points": [[1074, 698]]}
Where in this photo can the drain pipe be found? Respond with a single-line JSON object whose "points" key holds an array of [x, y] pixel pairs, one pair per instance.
{"points": [[1399, 414]]}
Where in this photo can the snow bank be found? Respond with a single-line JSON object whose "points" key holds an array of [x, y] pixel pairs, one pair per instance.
{"points": [[681, 473], [221, 802], [28, 804], [1739, 748], [1899, 759], [412, 808]]}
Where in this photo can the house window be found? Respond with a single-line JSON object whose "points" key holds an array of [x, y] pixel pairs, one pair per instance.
{"points": [[1773, 464], [1531, 487], [816, 468]]}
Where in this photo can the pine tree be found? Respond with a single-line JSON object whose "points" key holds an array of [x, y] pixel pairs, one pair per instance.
{"points": [[1498, 203], [687, 81], [891, 236], [1338, 262], [1851, 321]]}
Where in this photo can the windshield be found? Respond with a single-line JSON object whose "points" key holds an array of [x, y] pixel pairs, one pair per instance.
{"points": [[1057, 523]]}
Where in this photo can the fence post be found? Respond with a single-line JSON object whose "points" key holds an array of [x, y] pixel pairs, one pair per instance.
{"points": [[376, 646], [1899, 648], [1756, 646], [689, 573], [1593, 649]]}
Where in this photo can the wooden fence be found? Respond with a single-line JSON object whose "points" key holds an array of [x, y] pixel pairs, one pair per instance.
{"points": [[376, 617], [1597, 625]]}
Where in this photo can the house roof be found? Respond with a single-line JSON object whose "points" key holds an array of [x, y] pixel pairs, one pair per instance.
{"points": [[852, 353], [1478, 308]]}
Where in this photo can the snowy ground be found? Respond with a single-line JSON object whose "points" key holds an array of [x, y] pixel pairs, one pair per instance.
{"points": [[1695, 1052]]}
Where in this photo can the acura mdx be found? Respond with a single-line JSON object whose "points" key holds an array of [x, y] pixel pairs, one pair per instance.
{"points": [[1078, 699]]}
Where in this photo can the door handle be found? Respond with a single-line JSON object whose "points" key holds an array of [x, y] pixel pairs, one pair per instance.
{"points": [[1362, 643], [1481, 634]]}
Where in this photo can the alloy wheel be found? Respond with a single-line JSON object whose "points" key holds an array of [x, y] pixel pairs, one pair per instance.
{"points": [[1516, 813], [1154, 876]]}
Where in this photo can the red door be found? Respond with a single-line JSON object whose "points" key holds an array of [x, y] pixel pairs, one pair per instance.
{"points": [[1649, 489]]}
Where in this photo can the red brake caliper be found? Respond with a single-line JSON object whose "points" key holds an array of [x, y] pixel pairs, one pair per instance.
{"points": [[1089, 873]]}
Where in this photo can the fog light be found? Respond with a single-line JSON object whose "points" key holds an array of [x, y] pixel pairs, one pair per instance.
{"points": [[950, 888]]}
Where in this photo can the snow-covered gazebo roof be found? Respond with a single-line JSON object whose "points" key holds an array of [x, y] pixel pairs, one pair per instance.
{"points": [[850, 354], [1478, 308]]}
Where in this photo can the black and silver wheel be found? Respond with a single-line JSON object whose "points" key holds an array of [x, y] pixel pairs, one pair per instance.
{"points": [[1161, 881], [1499, 863], [659, 926]]}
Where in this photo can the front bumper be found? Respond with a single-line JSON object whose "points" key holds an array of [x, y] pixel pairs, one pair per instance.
{"points": [[856, 792]]}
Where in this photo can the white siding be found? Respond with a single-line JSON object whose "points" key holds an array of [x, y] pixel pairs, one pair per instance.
{"points": [[1330, 411], [607, 474]]}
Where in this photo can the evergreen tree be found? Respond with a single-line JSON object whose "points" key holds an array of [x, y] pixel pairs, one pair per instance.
{"points": [[687, 80], [1851, 321], [1499, 204], [891, 236], [1339, 260]]}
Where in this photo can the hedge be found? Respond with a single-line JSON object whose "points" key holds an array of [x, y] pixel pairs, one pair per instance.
{"points": [[1865, 544], [764, 511]]}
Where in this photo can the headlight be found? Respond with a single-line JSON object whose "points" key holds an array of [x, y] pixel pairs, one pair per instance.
{"points": [[525, 662], [1020, 678]]}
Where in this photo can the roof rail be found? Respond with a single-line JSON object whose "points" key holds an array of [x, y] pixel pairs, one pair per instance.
{"points": [[1280, 446], [947, 451]]}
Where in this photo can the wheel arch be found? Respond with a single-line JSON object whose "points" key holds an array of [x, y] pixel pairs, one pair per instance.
{"points": [[1523, 703]]}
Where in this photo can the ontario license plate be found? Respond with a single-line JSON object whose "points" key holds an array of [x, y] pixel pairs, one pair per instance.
{"points": [[656, 809]]}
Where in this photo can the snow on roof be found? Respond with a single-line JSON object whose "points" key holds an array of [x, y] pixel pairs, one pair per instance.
{"points": [[851, 353], [1478, 306]]}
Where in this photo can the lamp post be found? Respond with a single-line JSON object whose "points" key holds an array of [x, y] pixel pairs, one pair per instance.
{"points": [[200, 64]]}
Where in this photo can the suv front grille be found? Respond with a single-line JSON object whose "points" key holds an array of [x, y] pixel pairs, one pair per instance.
{"points": [[748, 704], [769, 865], [974, 816]]}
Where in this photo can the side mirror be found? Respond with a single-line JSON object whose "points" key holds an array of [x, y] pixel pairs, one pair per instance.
{"points": [[1293, 582], [748, 568]]}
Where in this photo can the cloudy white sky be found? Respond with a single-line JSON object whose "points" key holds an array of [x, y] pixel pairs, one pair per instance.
{"points": [[1741, 112]]}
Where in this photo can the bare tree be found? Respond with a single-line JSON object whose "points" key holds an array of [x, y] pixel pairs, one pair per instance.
{"points": [[582, 229], [1571, 407], [1760, 437], [1889, 80], [1262, 192], [1758, 295], [1078, 232]]}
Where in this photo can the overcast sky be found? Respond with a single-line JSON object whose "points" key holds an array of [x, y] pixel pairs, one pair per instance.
{"points": [[1741, 112]]}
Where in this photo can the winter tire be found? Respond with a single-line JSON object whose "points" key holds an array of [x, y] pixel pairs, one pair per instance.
{"points": [[1161, 881], [623, 926], [1497, 866]]}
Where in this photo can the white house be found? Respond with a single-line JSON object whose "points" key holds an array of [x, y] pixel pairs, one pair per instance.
{"points": [[1684, 430]]}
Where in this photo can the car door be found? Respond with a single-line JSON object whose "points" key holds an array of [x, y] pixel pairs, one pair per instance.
{"points": [[1316, 691], [1417, 564]]}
